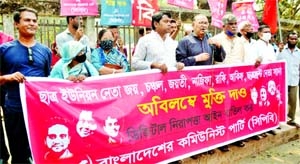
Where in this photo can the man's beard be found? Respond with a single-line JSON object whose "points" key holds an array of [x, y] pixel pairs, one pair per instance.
{"points": [[75, 26], [290, 45]]}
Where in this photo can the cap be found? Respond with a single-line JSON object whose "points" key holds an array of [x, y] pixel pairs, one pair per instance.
{"points": [[228, 18]]}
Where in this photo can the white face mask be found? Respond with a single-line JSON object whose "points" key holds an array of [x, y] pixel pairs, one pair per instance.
{"points": [[266, 37]]}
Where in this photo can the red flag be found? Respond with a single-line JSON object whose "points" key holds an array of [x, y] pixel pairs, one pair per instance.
{"points": [[270, 15]]}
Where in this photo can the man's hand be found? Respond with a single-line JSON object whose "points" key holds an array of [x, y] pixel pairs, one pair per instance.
{"points": [[17, 76], [280, 46], [162, 67], [214, 42], [179, 65], [202, 57], [178, 22], [78, 34]]}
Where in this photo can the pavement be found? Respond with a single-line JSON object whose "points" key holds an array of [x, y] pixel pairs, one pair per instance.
{"points": [[282, 148], [286, 153]]}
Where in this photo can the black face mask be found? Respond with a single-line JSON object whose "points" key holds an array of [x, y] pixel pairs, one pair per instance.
{"points": [[81, 58], [106, 44], [249, 35], [290, 45]]}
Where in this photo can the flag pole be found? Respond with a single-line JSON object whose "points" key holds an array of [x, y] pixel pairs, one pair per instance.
{"points": [[278, 20]]}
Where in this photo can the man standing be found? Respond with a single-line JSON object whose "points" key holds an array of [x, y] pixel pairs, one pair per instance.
{"points": [[20, 58], [118, 41], [264, 50], [234, 49], [246, 31], [74, 32], [195, 49], [175, 28], [231, 43], [291, 54], [157, 49]]}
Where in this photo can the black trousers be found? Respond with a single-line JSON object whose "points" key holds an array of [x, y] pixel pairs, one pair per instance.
{"points": [[17, 137], [4, 155]]}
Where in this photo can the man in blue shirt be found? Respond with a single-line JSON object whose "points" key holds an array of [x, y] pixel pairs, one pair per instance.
{"points": [[195, 49], [18, 59], [291, 54]]}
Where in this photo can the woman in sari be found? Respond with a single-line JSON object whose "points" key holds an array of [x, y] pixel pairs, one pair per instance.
{"points": [[105, 58]]}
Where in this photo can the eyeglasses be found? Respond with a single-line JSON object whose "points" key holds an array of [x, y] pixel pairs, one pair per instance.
{"points": [[231, 24], [30, 56]]}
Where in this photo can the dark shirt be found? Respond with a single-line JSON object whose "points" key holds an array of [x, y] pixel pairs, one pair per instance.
{"points": [[190, 46], [14, 57]]}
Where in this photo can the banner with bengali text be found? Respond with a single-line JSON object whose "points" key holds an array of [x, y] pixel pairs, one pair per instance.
{"points": [[115, 12], [142, 11], [78, 8], [218, 10], [244, 11], [150, 117], [188, 4]]}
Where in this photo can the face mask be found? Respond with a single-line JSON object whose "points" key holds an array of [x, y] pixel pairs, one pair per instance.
{"points": [[266, 37], [290, 45], [229, 33], [81, 58], [106, 44], [249, 35]]}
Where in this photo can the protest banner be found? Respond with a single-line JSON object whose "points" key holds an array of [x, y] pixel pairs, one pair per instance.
{"points": [[188, 4], [79, 8], [115, 12], [244, 11], [218, 10], [150, 117], [142, 12]]}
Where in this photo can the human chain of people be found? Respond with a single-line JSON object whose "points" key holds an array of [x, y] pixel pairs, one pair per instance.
{"points": [[79, 94], [223, 81]]}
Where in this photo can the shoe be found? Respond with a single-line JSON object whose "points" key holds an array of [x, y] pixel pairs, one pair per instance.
{"points": [[271, 132], [211, 152], [194, 156], [239, 144], [292, 123], [264, 135], [255, 138], [224, 148]]}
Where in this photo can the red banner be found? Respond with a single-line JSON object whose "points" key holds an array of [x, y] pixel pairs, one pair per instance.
{"points": [[79, 8], [142, 11], [150, 117]]}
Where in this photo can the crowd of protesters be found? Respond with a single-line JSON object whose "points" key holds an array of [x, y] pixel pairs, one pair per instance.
{"points": [[71, 58]]}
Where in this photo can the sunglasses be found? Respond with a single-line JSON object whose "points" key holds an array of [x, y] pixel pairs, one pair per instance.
{"points": [[30, 56]]}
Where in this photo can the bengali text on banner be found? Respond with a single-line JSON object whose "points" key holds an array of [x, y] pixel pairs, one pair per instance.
{"points": [[151, 117]]}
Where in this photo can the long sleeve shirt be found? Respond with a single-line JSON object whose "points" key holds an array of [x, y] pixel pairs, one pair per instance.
{"points": [[152, 48], [191, 46], [293, 62]]}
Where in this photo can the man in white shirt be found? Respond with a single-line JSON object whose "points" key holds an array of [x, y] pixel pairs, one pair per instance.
{"points": [[231, 43], [246, 31], [157, 49], [74, 32], [264, 50]]}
